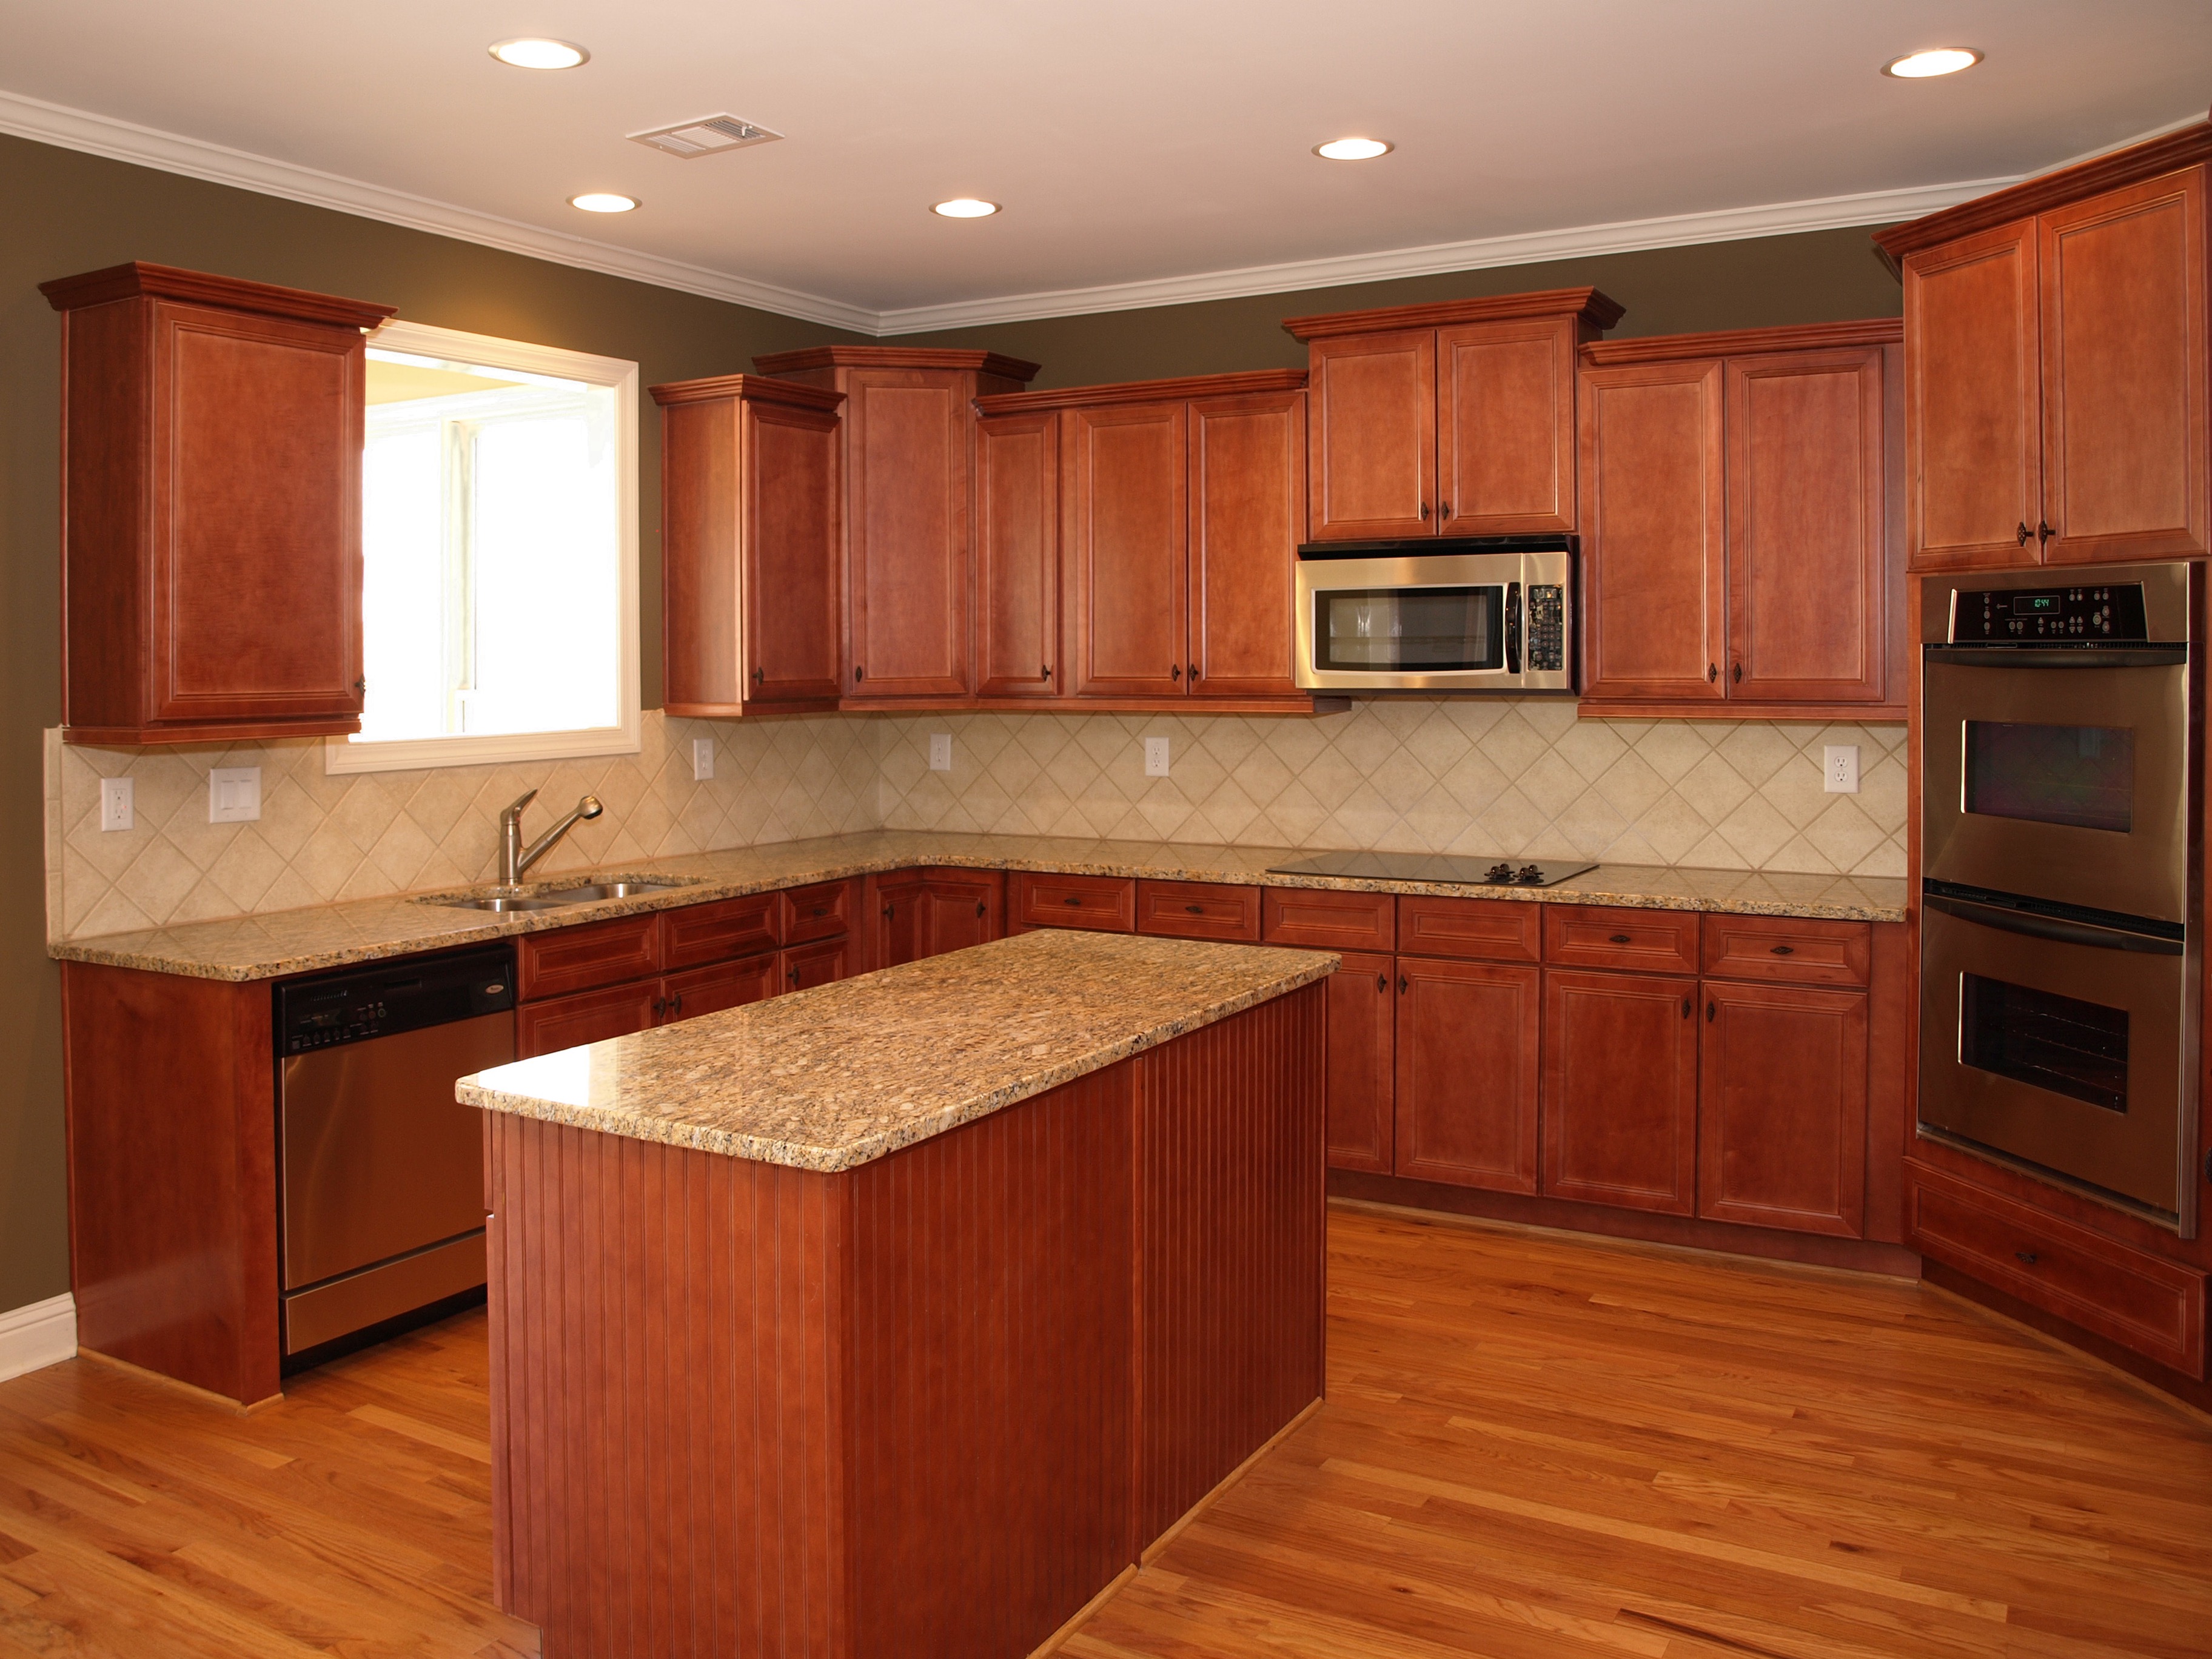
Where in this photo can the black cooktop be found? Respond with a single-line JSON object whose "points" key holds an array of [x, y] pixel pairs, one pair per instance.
{"points": [[1432, 866]]}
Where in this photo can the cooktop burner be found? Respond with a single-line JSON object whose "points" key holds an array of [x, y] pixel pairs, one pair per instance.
{"points": [[1432, 866]]}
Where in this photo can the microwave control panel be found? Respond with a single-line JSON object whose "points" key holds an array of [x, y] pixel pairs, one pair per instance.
{"points": [[1547, 634], [2048, 615]]}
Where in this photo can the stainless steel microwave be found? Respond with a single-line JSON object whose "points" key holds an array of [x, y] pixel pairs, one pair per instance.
{"points": [[1494, 614]]}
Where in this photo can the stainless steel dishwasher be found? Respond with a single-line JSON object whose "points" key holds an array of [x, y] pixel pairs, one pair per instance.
{"points": [[382, 1188]]}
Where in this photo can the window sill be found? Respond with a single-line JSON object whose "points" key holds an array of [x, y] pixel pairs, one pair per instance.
{"points": [[343, 755]]}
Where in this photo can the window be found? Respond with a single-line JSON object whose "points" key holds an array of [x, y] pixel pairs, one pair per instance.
{"points": [[499, 546]]}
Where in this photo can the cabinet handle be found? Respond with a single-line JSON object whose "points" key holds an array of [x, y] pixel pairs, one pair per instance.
{"points": [[757, 677], [1617, 939], [2027, 1256], [1381, 982], [1444, 509], [820, 909], [1685, 1007], [982, 909], [362, 686], [1195, 910], [1785, 950], [2044, 532], [1072, 898], [1175, 672], [1425, 510], [859, 673], [1709, 1013], [1404, 985], [1736, 674], [659, 1006], [1712, 672], [793, 975], [2025, 532], [1046, 671], [676, 1006], [888, 909], [1193, 673]]}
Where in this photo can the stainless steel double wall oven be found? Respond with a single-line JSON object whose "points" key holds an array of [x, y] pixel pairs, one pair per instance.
{"points": [[2062, 914]]}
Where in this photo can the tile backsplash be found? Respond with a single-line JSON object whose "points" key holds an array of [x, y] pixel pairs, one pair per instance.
{"points": [[1508, 777]]}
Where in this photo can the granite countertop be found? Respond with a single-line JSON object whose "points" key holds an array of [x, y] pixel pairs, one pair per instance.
{"points": [[844, 1074], [284, 942]]}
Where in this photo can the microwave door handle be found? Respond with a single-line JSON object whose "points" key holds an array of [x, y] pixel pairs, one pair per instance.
{"points": [[2050, 927], [1513, 629]]}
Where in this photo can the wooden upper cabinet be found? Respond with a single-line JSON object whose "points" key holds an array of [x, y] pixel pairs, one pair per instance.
{"points": [[1018, 555], [1446, 419], [1128, 542], [749, 498], [908, 551], [2056, 339], [212, 434], [1247, 505]]}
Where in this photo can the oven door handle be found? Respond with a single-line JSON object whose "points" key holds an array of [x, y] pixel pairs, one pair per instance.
{"points": [[2007, 656], [2050, 927], [1513, 629]]}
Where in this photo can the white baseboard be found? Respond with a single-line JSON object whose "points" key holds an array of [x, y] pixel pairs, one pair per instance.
{"points": [[44, 1334]]}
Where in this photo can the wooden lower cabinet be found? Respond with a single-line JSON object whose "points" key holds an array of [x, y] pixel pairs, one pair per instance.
{"points": [[1620, 1090], [541, 1028], [1198, 909], [1106, 902], [1362, 1006], [1467, 1072], [925, 912], [807, 966], [1782, 1107], [724, 985]]}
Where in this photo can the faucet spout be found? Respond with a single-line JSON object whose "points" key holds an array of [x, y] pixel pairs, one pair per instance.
{"points": [[587, 808]]}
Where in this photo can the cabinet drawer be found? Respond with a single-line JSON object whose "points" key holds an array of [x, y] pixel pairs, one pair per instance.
{"points": [[724, 985], [822, 911], [1636, 941], [1789, 949], [699, 933], [544, 1028], [1328, 920], [1106, 902], [1486, 930], [2141, 1301], [578, 959], [1198, 909]]}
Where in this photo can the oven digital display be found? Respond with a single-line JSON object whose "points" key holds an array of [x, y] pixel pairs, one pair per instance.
{"points": [[2083, 776], [2072, 1047], [1410, 630], [2039, 605]]}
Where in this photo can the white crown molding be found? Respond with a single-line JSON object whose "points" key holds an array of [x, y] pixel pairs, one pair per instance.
{"points": [[125, 141], [31, 1337]]}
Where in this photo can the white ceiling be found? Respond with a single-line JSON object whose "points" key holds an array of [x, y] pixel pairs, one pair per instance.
{"points": [[1151, 149]]}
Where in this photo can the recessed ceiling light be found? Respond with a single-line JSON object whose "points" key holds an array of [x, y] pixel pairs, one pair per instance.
{"points": [[965, 207], [603, 201], [1353, 149], [532, 52], [1937, 60]]}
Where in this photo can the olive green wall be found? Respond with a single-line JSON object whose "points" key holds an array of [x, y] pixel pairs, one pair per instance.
{"points": [[1815, 276]]}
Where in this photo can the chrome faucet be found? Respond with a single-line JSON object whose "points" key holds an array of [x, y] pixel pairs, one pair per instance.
{"points": [[513, 858]]}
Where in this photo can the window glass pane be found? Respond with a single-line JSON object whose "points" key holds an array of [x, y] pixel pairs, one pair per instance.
{"points": [[1412, 628], [2075, 1049], [2082, 775], [403, 560]]}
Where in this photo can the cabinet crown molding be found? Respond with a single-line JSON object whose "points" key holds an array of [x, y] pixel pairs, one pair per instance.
{"points": [[1805, 337], [2167, 153], [1586, 305], [759, 388], [139, 280], [1251, 383], [845, 356]]}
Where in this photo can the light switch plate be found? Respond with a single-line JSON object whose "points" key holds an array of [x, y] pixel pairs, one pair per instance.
{"points": [[940, 752], [1839, 768], [234, 794], [702, 759], [1156, 757], [117, 808]]}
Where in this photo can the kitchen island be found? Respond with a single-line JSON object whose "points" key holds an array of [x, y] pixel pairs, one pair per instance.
{"points": [[904, 1314]]}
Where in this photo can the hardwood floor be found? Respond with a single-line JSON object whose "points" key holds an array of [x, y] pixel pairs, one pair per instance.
{"points": [[1533, 1446]]}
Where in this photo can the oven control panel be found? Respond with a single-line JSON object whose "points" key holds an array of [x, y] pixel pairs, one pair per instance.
{"points": [[2048, 615], [1547, 634]]}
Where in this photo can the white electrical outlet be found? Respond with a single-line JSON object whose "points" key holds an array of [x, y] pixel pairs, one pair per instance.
{"points": [[234, 794], [1156, 757], [116, 811], [1839, 768], [940, 752], [702, 759]]}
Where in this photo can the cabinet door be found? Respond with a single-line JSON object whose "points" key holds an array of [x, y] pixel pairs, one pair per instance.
{"points": [[1973, 452], [808, 965], [790, 519], [1620, 1090], [895, 916], [1467, 1072], [1361, 1051], [1248, 513], [1655, 598], [906, 543], [1127, 534], [702, 608], [256, 578], [1806, 565], [2125, 437], [1018, 555], [1782, 1108], [962, 908], [1505, 427], [724, 985], [541, 1028], [1372, 444]]}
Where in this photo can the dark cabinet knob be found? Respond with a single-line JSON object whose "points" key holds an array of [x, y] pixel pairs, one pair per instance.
{"points": [[1425, 510], [1712, 672], [1736, 674], [1381, 982], [1785, 950], [1175, 672], [1444, 509], [2044, 532], [888, 909], [2027, 1256], [1404, 985], [757, 677], [1709, 1013], [1617, 939], [820, 909], [362, 686], [675, 1005], [2025, 532], [1193, 673], [1072, 898], [982, 909], [1046, 671], [1685, 1007], [659, 1006], [792, 976], [859, 673], [1195, 909]]}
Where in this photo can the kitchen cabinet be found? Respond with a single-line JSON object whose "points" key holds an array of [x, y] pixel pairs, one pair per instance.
{"points": [[2056, 339], [1198, 909], [1107, 902], [803, 967], [1467, 1041], [1362, 1091], [211, 444], [1741, 553], [1620, 1090], [1248, 509], [926, 912], [1446, 419], [750, 544], [1017, 578], [1782, 1107], [1128, 544], [908, 550]]}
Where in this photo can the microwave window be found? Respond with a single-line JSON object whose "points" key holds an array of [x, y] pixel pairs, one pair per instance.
{"points": [[2081, 775], [2075, 1049], [1409, 630]]}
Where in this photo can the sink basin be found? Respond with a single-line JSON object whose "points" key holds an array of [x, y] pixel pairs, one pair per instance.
{"points": [[605, 890], [551, 898], [501, 902]]}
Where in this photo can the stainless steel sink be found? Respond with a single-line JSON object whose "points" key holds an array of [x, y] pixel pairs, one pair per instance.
{"points": [[606, 889], [552, 898], [501, 902]]}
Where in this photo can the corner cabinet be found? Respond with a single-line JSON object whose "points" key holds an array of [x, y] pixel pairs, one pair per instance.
{"points": [[1741, 552], [211, 443], [749, 545], [1447, 420], [2055, 345]]}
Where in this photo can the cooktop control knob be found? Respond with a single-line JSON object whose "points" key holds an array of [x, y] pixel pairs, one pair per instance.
{"points": [[1498, 872], [1531, 875]]}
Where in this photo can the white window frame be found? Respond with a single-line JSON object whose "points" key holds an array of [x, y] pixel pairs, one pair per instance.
{"points": [[345, 755]]}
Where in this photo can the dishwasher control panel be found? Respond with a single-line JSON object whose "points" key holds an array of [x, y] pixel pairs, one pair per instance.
{"points": [[390, 998]]}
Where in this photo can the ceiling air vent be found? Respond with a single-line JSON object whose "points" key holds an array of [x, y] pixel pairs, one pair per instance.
{"points": [[708, 136]]}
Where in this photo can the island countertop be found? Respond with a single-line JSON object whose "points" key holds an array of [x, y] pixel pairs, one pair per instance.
{"points": [[838, 1076]]}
